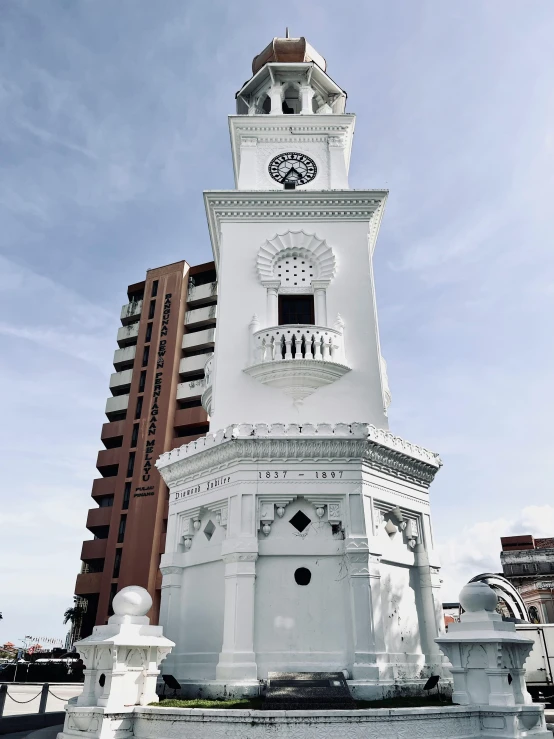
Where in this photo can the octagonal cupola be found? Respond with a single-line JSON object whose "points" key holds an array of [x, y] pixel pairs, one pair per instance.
{"points": [[289, 77]]}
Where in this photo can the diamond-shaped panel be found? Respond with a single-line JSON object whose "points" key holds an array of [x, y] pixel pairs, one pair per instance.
{"points": [[209, 530], [300, 521]]}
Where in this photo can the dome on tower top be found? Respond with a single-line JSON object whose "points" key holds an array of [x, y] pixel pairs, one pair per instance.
{"points": [[288, 51]]}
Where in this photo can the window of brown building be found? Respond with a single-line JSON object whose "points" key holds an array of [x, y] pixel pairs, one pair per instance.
{"points": [[126, 495], [131, 464], [117, 562], [142, 381], [121, 530], [134, 437]]}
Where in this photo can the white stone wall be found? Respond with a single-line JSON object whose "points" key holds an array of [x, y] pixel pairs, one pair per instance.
{"points": [[452, 722], [364, 608], [237, 397]]}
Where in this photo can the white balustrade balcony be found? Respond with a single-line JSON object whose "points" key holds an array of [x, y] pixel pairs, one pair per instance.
{"points": [[298, 342], [297, 359]]}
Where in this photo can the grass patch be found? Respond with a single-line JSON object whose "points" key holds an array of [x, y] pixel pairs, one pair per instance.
{"points": [[252, 704], [256, 704]]}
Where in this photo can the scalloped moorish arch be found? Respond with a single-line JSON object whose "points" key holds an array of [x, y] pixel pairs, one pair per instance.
{"points": [[296, 244], [300, 243]]}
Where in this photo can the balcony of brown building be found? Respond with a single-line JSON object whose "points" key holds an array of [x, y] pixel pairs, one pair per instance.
{"points": [[88, 583], [112, 434], [187, 417], [98, 521], [180, 440], [103, 487], [94, 549], [107, 462]]}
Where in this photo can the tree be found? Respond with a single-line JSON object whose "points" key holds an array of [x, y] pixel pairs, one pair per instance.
{"points": [[73, 614]]}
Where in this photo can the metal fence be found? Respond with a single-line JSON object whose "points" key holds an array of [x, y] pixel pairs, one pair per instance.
{"points": [[43, 692]]}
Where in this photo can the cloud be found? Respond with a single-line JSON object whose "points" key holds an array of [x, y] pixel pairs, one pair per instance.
{"points": [[113, 118], [45, 312], [476, 548]]}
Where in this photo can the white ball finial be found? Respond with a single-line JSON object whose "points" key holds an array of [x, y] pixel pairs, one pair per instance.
{"points": [[478, 596], [132, 601]]}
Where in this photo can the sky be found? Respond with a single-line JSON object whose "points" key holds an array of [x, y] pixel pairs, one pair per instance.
{"points": [[113, 119]]}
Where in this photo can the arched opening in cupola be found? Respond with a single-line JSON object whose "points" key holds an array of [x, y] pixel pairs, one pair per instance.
{"points": [[266, 104], [291, 100]]}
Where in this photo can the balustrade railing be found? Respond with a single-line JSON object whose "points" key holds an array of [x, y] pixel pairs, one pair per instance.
{"points": [[298, 342]]}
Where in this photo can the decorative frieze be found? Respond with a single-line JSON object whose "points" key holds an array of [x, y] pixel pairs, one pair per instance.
{"points": [[304, 205], [375, 447]]}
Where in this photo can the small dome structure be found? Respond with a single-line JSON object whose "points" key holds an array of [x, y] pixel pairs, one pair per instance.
{"points": [[132, 601], [478, 596], [288, 51]]}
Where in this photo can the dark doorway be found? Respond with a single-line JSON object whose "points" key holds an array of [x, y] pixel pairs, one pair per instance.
{"points": [[296, 309]]}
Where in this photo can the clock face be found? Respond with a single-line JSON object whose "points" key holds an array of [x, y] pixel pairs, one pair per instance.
{"points": [[292, 167]]}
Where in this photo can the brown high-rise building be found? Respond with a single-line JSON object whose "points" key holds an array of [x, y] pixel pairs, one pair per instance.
{"points": [[166, 337]]}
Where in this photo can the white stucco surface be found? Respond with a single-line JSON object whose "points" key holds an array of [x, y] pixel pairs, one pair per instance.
{"points": [[237, 397], [298, 426]]}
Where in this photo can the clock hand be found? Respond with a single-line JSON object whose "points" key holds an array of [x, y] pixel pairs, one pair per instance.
{"points": [[291, 170]]}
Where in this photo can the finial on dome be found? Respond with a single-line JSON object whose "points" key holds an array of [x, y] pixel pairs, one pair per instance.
{"points": [[288, 51], [132, 601]]}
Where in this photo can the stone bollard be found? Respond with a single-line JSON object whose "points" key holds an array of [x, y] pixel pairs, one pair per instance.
{"points": [[487, 656], [122, 660]]}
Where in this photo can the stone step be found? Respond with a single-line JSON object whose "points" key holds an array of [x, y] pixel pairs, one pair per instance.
{"points": [[311, 691]]}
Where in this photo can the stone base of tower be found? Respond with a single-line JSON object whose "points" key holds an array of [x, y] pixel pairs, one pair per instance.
{"points": [[300, 549]]}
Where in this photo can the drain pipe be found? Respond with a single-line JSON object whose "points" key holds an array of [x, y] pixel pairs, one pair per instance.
{"points": [[428, 624]]}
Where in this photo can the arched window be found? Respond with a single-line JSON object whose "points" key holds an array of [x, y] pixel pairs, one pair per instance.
{"points": [[534, 615], [291, 100], [296, 269]]}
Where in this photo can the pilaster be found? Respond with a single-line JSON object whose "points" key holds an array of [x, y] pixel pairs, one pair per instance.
{"points": [[272, 317], [338, 173], [248, 158], [365, 593], [237, 659], [320, 301]]}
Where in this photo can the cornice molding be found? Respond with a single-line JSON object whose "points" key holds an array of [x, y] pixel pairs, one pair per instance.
{"points": [[302, 205], [270, 449]]}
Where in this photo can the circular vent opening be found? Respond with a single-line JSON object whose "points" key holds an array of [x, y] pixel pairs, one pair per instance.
{"points": [[302, 576]]}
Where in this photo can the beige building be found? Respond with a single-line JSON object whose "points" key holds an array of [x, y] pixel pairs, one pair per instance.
{"points": [[528, 563]]}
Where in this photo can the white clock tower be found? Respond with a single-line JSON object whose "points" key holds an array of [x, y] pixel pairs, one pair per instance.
{"points": [[299, 535]]}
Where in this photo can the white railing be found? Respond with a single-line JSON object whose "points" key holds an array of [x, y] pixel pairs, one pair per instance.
{"points": [[297, 342]]}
